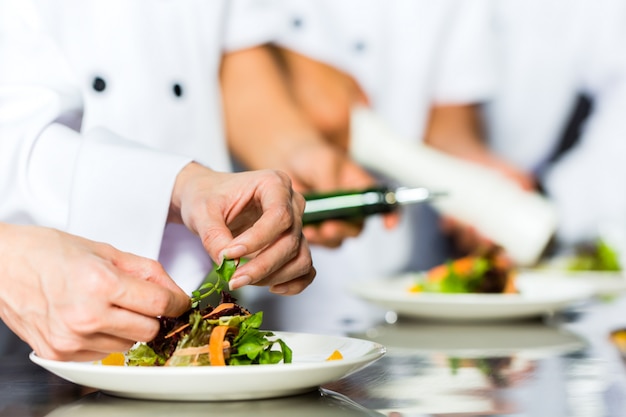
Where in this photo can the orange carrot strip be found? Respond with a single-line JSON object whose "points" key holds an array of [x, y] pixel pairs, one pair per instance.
{"points": [[461, 266], [216, 346], [221, 307]]}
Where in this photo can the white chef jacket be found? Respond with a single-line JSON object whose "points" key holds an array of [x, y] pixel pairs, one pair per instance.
{"points": [[548, 52], [101, 105], [405, 54]]}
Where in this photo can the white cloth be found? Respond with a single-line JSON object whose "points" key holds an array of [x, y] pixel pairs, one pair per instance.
{"points": [[405, 54], [101, 105], [548, 52]]}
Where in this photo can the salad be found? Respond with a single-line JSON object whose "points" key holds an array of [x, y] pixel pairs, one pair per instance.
{"points": [[227, 334], [597, 256], [482, 272]]}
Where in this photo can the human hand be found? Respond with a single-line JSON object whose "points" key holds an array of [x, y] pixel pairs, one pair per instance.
{"points": [[71, 298], [254, 214], [325, 94], [320, 167]]}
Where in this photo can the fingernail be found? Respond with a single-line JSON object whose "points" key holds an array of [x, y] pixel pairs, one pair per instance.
{"points": [[239, 282], [279, 289], [233, 252]]}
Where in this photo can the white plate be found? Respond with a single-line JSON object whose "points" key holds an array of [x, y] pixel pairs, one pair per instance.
{"points": [[309, 370], [537, 297], [604, 283]]}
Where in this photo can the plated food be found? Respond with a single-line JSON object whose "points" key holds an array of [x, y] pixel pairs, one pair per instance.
{"points": [[482, 287], [227, 334], [483, 272], [218, 354], [595, 256], [309, 369]]}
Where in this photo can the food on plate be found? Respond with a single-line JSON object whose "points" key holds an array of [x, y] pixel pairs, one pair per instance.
{"points": [[618, 338], [227, 334], [482, 272], [336, 355], [597, 256]]}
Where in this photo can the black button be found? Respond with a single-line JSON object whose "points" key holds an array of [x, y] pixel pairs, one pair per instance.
{"points": [[99, 84], [178, 90], [297, 22]]}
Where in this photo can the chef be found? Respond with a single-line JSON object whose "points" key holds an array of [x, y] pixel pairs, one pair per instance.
{"points": [[558, 111], [405, 56], [106, 107]]}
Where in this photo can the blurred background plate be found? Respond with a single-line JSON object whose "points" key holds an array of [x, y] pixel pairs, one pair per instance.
{"points": [[536, 297]]}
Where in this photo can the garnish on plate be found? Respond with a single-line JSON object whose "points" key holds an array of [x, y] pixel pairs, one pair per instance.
{"points": [[597, 256], [483, 272], [225, 335]]}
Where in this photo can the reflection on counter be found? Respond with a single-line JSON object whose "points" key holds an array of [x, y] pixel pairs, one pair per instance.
{"points": [[314, 404], [436, 369], [530, 338]]}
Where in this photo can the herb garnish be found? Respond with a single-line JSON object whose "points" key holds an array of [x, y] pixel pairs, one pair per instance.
{"points": [[217, 279]]}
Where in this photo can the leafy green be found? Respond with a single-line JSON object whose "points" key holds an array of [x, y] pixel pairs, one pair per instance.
{"points": [[597, 257], [143, 355], [216, 281], [197, 336], [454, 282], [253, 346]]}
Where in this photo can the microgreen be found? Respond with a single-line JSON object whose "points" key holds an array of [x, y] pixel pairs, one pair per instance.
{"points": [[215, 281], [254, 347]]}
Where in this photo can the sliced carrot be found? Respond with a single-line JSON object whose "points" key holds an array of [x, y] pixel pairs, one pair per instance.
{"points": [[114, 359], [461, 266], [216, 345], [220, 307], [336, 355], [510, 287]]}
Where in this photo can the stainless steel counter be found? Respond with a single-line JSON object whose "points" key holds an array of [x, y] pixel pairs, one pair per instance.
{"points": [[559, 366]]}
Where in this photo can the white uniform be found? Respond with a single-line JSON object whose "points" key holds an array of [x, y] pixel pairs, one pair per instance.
{"points": [[101, 105], [548, 53], [406, 55]]}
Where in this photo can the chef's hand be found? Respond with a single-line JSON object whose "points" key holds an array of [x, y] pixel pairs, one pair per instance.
{"points": [[319, 167], [278, 134], [254, 214], [74, 299]]}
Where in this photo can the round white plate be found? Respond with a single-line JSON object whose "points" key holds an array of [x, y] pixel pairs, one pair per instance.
{"points": [[309, 370], [536, 297], [604, 283]]}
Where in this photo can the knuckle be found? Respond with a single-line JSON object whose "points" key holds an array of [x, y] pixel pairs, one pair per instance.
{"points": [[149, 331]]}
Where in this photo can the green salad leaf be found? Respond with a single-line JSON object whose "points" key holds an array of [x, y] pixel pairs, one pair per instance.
{"points": [[215, 282], [253, 346], [454, 282], [597, 257]]}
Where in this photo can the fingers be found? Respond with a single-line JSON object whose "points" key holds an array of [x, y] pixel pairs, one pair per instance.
{"points": [[292, 278], [148, 275], [332, 233], [148, 299]]}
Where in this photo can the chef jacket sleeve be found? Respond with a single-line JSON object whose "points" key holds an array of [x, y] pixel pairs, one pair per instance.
{"points": [[252, 22], [586, 184], [95, 184], [466, 70]]}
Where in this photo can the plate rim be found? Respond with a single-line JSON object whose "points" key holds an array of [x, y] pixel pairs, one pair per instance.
{"points": [[323, 371], [505, 303]]}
